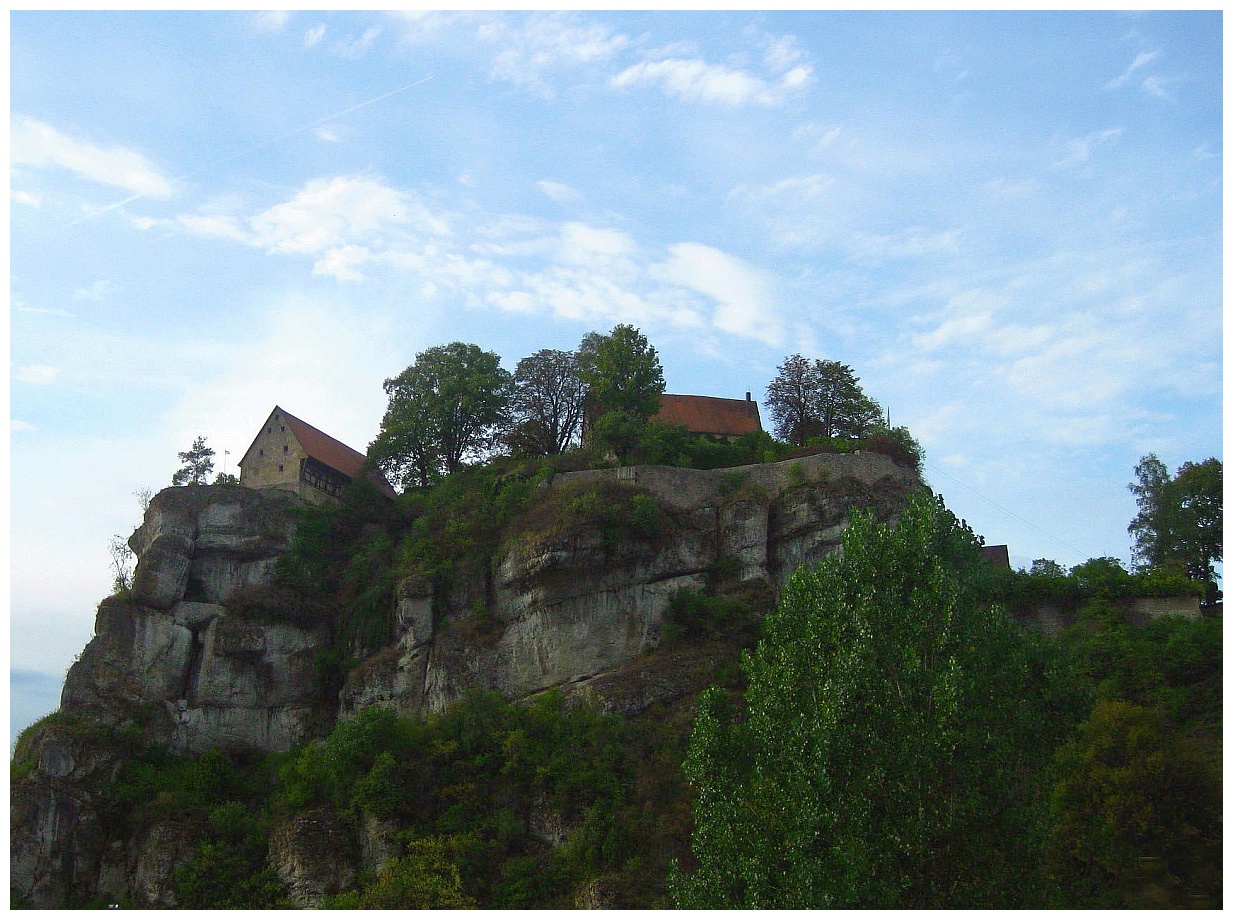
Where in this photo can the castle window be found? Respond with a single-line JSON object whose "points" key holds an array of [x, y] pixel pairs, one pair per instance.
{"points": [[260, 451], [284, 448], [280, 467]]}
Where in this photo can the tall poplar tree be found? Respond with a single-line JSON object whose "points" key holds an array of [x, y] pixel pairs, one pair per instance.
{"points": [[893, 738]]}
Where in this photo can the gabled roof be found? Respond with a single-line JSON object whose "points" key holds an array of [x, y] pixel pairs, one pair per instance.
{"points": [[709, 414], [330, 451]]}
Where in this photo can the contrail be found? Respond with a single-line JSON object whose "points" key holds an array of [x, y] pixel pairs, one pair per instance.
{"points": [[261, 146]]}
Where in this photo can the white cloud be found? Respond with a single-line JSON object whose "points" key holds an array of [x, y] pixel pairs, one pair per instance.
{"points": [[99, 290], [744, 302], [314, 35], [697, 81], [16, 424], [33, 143], [271, 20], [912, 242], [333, 212], [30, 199], [224, 227], [19, 305], [793, 188], [546, 43], [328, 133], [558, 191], [37, 374], [582, 244], [355, 48], [1142, 59], [1081, 149], [342, 263]]}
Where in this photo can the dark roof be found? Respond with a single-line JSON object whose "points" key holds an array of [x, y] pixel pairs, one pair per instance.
{"points": [[709, 414], [997, 555], [332, 452]]}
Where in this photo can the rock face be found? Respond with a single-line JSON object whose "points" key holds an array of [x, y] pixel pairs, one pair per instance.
{"points": [[185, 664], [566, 606], [170, 658]]}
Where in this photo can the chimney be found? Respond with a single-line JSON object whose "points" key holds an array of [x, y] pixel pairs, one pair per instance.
{"points": [[748, 396]]}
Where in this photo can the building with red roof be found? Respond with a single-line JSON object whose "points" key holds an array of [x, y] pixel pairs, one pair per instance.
{"points": [[713, 416], [291, 454]]}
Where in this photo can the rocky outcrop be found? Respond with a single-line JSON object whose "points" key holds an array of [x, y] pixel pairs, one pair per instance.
{"points": [[566, 606], [187, 662], [171, 658], [314, 855]]}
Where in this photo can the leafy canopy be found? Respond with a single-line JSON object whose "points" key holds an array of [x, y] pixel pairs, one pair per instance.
{"points": [[622, 372], [547, 403], [895, 730], [444, 409], [812, 399], [1181, 517]]}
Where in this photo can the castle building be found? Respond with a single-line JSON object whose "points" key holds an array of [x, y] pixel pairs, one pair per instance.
{"points": [[291, 454], [712, 416]]}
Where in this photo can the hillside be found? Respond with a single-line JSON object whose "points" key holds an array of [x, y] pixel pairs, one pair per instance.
{"points": [[255, 624]]}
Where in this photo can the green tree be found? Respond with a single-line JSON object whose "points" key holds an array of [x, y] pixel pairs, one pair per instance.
{"points": [[198, 463], [809, 399], [892, 749], [426, 878], [547, 403], [1133, 794], [1046, 568], [444, 409], [622, 372], [1181, 517]]}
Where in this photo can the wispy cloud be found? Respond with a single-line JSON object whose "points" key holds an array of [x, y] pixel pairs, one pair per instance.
{"points": [[530, 51], [98, 291], [271, 20], [355, 48], [314, 35], [353, 227], [693, 80], [34, 143], [30, 199], [558, 191], [1080, 149], [1141, 60], [744, 303], [36, 374], [16, 424]]}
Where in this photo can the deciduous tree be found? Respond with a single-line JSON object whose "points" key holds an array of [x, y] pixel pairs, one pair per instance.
{"points": [[547, 403], [818, 398], [1181, 517], [622, 372], [444, 409], [893, 740]]}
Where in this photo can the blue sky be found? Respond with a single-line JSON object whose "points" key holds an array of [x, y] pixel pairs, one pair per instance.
{"points": [[1008, 224]]}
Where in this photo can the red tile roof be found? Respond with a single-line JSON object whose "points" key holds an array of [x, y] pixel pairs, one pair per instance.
{"points": [[710, 414], [333, 453]]}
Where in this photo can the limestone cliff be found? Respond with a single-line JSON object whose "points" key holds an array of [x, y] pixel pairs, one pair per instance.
{"points": [[180, 663]]}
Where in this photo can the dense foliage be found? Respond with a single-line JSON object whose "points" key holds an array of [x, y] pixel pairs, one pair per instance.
{"points": [[547, 405], [819, 398], [445, 408], [1181, 517], [488, 804], [622, 372], [893, 741], [900, 744]]}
